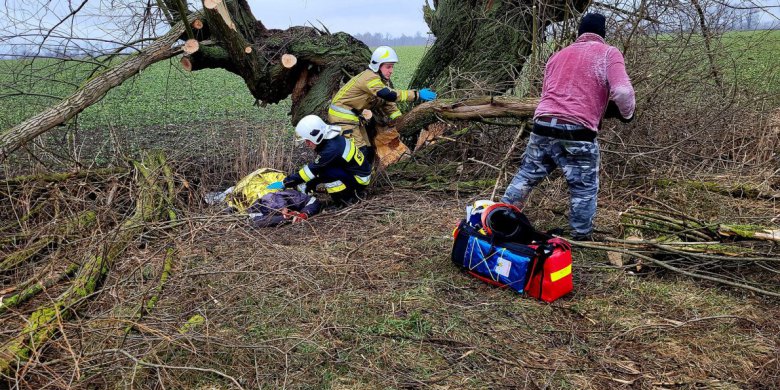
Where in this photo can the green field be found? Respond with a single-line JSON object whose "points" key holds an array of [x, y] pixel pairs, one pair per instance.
{"points": [[162, 94]]}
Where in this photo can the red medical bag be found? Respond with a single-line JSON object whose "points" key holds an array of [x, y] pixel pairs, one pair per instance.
{"points": [[550, 275]]}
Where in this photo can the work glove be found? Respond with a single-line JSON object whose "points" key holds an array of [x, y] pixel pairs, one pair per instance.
{"points": [[614, 112], [277, 185], [427, 95]]}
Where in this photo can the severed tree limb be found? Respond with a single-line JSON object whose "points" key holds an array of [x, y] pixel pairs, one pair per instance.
{"points": [[92, 91], [424, 114], [42, 323]]}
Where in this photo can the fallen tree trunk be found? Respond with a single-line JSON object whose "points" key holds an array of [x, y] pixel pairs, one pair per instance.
{"points": [[480, 108], [42, 323], [91, 92]]}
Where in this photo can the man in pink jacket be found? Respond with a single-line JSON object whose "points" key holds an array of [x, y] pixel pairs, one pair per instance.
{"points": [[582, 83]]}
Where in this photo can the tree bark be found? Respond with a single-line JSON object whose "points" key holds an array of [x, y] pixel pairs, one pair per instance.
{"points": [[481, 46], [479, 108], [324, 60]]}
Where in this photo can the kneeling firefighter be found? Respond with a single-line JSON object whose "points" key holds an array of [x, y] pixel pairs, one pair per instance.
{"points": [[372, 90], [339, 165]]}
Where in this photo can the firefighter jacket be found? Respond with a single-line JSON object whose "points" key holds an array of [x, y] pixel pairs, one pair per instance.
{"points": [[366, 91], [336, 157]]}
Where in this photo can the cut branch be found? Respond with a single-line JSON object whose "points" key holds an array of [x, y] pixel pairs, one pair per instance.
{"points": [[470, 109]]}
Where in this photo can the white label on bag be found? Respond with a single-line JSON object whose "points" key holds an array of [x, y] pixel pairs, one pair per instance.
{"points": [[503, 266]]}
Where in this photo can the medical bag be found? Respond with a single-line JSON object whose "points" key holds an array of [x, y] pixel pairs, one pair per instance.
{"points": [[549, 276], [501, 247]]}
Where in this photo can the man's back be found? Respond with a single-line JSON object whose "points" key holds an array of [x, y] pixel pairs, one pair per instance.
{"points": [[580, 80]]}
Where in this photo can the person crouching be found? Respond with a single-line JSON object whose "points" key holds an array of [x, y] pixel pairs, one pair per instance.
{"points": [[340, 166]]}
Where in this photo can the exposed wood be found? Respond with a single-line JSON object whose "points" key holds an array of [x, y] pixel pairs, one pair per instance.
{"points": [[289, 60], [191, 46], [248, 49], [211, 4], [186, 64], [197, 24], [750, 232], [92, 91]]}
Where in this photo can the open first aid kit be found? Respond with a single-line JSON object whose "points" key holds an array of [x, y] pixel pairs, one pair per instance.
{"points": [[497, 244]]}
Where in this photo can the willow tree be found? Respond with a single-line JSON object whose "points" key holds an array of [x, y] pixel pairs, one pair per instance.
{"points": [[480, 47]]}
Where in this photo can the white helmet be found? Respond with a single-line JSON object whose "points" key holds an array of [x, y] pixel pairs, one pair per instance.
{"points": [[381, 55], [314, 129]]}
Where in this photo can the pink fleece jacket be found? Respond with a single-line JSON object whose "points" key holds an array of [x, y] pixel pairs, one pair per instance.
{"points": [[582, 78]]}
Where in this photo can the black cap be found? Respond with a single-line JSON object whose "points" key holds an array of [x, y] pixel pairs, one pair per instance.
{"points": [[593, 23]]}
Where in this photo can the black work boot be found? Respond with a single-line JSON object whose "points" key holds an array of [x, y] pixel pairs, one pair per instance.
{"points": [[582, 237]]}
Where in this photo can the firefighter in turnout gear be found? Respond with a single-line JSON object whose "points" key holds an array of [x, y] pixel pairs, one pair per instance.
{"points": [[339, 165], [371, 90]]}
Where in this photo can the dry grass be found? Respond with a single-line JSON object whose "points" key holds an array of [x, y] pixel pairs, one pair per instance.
{"points": [[367, 298]]}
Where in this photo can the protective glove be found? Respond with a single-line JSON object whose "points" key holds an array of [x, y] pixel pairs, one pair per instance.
{"points": [[277, 185], [614, 112], [427, 95]]}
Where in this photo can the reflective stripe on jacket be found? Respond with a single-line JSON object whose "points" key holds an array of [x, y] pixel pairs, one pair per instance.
{"points": [[338, 151], [365, 92]]}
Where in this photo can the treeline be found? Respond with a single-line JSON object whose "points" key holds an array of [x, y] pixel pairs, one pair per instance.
{"points": [[379, 39]]}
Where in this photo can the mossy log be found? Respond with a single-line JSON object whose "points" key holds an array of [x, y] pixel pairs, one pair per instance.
{"points": [[33, 289], [70, 228], [480, 108], [750, 232], [150, 206]]}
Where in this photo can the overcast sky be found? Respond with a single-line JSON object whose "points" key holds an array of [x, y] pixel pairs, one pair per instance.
{"points": [[395, 17]]}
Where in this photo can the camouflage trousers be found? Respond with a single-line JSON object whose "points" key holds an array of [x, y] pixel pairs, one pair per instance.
{"points": [[579, 161]]}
